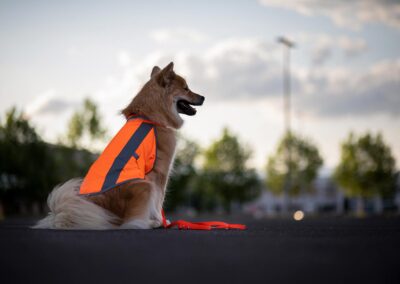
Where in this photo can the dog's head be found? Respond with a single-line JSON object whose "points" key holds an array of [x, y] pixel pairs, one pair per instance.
{"points": [[176, 93], [164, 97]]}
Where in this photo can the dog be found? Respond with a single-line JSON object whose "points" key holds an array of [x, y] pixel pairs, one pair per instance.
{"points": [[136, 204]]}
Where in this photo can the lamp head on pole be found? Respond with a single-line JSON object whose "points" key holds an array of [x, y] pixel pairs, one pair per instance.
{"points": [[286, 42]]}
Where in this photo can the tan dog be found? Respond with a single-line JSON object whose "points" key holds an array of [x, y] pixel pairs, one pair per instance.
{"points": [[136, 204]]}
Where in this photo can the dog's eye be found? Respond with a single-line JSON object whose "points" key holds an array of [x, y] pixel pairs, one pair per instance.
{"points": [[186, 88]]}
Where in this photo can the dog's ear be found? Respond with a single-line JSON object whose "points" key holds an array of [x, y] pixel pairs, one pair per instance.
{"points": [[165, 76], [155, 71]]}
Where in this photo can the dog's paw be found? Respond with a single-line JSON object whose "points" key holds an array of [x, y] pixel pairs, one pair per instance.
{"points": [[137, 224], [156, 223]]}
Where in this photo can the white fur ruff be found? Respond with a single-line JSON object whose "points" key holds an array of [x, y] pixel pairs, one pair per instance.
{"points": [[68, 210]]}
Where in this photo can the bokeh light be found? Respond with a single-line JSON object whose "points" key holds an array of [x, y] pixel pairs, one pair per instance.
{"points": [[298, 215]]}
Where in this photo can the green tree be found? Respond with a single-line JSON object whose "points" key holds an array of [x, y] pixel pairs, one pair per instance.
{"points": [[225, 177], [302, 163], [26, 166], [30, 167], [17, 129], [183, 176], [85, 123], [367, 168]]}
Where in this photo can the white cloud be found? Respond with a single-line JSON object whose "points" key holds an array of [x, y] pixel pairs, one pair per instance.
{"points": [[49, 113], [321, 52], [343, 92], [351, 46], [250, 69], [48, 103], [235, 69], [177, 35], [124, 58], [73, 51], [324, 46], [352, 14]]}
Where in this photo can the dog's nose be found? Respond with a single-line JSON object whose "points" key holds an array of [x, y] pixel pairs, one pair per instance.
{"points": [[202, 99]]}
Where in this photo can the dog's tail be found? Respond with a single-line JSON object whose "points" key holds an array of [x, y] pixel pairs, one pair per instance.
{"points": [[68, 210]]}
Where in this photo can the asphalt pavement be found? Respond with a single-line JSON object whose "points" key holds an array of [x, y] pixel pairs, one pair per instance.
{"points": [[314, 250]]}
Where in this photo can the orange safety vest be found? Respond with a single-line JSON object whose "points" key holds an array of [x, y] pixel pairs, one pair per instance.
{"points": [[129, 156]]}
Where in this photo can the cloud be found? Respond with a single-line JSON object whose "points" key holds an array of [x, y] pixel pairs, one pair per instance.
{"points": [[346, 93], [321, 52], [177, 35], [251, 69], [235, 69], [230, 69], [347, 14], [48, 103], [124, 58], [350, 46], [325, 46]]}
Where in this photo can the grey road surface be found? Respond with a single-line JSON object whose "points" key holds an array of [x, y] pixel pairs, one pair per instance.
{"points": [[322, 250]]}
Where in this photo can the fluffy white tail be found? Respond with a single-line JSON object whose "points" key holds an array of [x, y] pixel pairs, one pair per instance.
{"points": [[68, 210]]}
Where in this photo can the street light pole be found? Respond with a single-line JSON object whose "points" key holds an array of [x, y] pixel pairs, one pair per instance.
{"points": [[287, 115], [286, 79]]}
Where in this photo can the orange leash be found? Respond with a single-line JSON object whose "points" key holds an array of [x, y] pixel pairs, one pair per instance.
{"points": [[185, 225]]}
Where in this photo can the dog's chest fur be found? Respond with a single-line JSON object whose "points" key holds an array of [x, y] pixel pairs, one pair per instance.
{"points": [[166, 143]]}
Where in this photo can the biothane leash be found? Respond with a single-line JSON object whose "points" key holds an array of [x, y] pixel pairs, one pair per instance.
{"points": [[209, 225]]}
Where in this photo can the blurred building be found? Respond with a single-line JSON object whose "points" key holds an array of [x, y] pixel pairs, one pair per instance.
{"points": [[327, 198]]}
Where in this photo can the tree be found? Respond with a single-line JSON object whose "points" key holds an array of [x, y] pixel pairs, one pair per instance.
{"points": [[17, 129], [30, 167], [85, 123], [183, 176], [26, 166], [304, 162], [225, 176], [367, 168]]}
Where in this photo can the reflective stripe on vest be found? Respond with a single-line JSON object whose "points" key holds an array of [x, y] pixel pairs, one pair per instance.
{"points": [[130, 155]]}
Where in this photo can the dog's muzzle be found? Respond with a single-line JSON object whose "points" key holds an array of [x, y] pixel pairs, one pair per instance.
{"points": [[185, 107]]}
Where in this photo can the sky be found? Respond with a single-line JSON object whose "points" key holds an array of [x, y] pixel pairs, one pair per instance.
{"points": [[345, 66]]}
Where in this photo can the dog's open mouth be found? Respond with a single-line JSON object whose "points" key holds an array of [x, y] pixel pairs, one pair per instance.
{"points": [[184, 107]]}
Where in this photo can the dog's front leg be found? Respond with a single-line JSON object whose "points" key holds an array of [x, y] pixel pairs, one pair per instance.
{"points": [[156, 203], [138, 200]]}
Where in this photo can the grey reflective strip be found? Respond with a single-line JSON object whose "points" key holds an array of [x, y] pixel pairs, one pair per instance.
{"points": [[125, 155]]}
